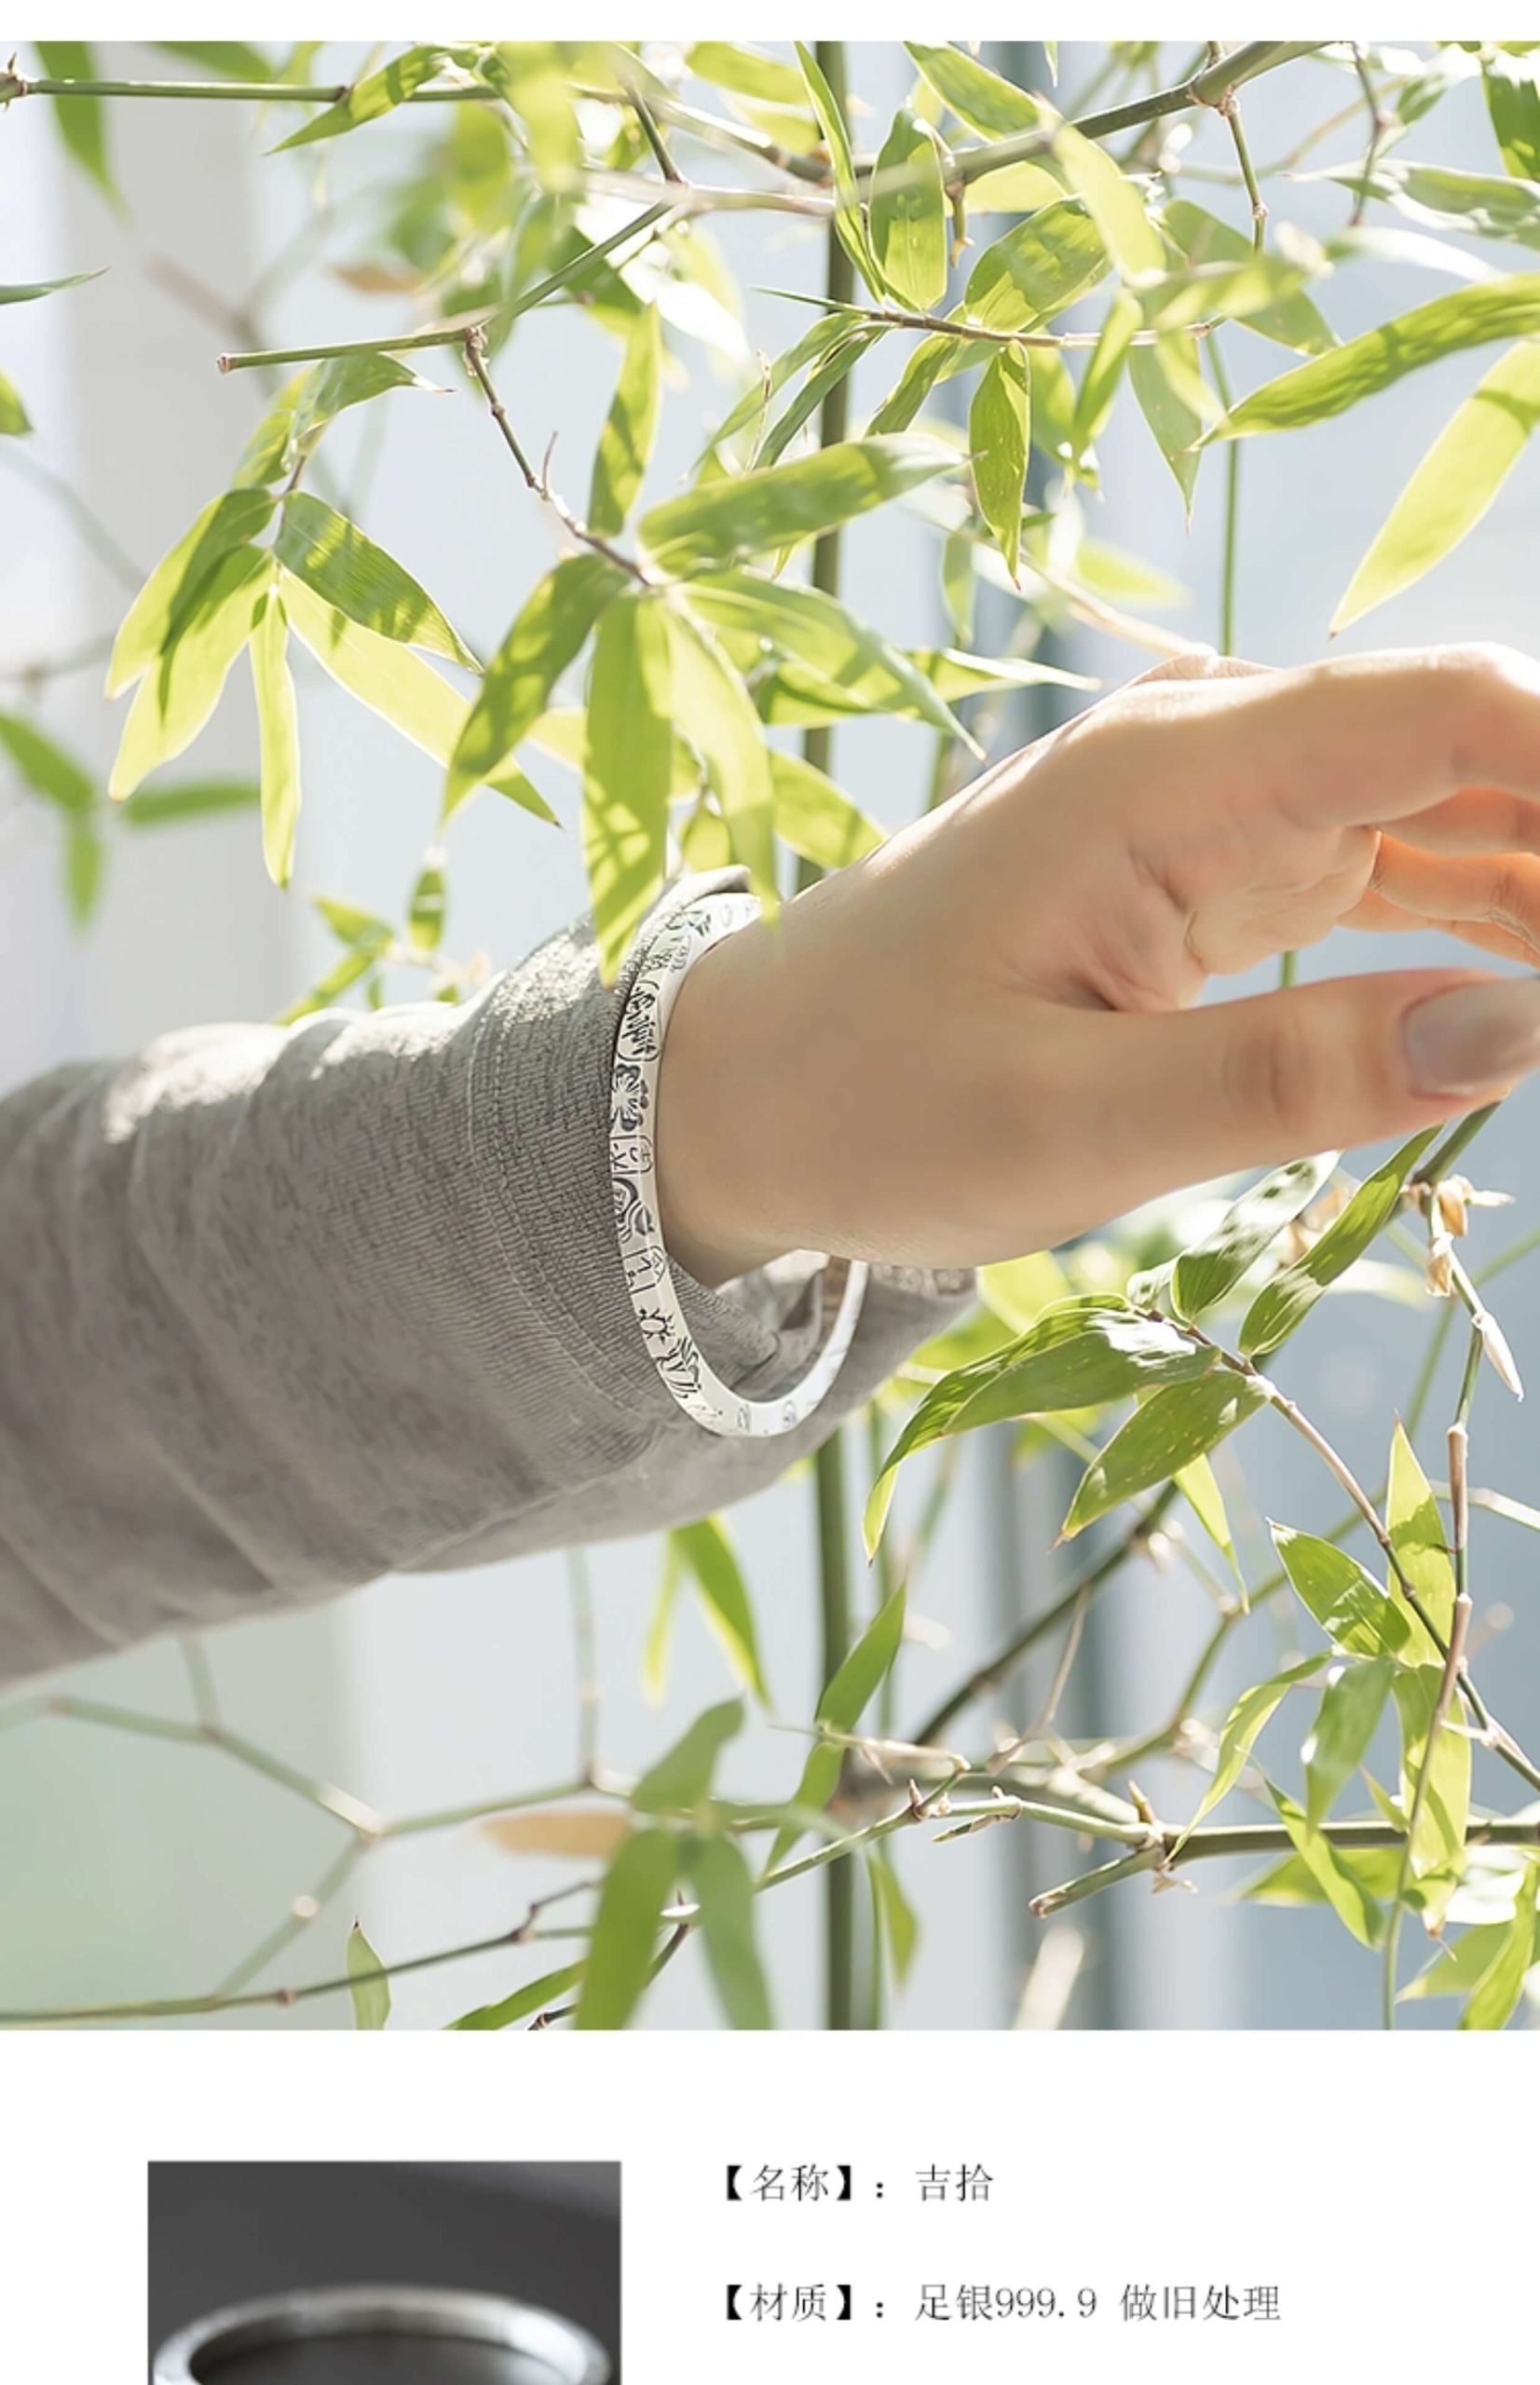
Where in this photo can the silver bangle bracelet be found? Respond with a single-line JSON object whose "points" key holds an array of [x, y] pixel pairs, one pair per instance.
{"points": [[677, 945], [542, 2350]]}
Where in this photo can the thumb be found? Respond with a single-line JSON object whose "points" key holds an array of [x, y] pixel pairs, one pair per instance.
{"points": [[1201, 1093]]}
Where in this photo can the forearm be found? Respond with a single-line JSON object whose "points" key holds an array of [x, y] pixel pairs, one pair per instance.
{"points": [[283, 1311]]}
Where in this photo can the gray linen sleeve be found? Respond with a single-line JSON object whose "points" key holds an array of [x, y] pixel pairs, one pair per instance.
{"points": [[285, 1309]]}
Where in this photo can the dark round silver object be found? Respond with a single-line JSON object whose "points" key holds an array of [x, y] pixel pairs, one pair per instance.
{"points": [[401, 2335]]}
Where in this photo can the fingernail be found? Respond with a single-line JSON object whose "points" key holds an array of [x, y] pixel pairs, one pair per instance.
{"points": [[1475, 1037]]}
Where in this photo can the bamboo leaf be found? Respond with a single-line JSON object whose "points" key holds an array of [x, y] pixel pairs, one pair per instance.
{"points": [[1161, 393], [175, 699], [1440, 1842], [750, 73], [82, 121], [625, 443], [194, 799], [425, 914], [703, 1551], [1116, 205], [1244, 1725], [1453, 485], [1495, 1998], [14, 421], [1416, 1530], [1283, 1305], [985, 100], [1488, 207], [628, 771], [816, 818], [546, 637], [682, 1779], [1037, 269], [711, 705], [725, 521], [1083, 1353], [168, 596], [399, 685], [1345, 1723], [1507, 309], [816, 629], [85, 863], [369, 1990], [45, 767], [999, 428], [525, 2002], [346, 568], [1343, 1890], [849, 220], [17, 293], [374, 96], [1203, 1274], [936, 358], [278, 724], [637, 1885], [1292, 320], [894, 1922], [1356, 1614], [724, 1889], [910, 214], [1513, 103], [343, 381], [1171, 1428]]}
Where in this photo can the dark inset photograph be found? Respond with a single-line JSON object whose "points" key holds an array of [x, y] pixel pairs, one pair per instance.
{"points": [[416, 2273]]}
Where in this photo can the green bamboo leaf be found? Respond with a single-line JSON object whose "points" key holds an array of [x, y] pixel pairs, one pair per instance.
{"points": [[625, 443], [713, 708], [1439, 1844], [985, 103], [850, 219], [1513, 103], [1158, 376], [82, 122], [45, 767], [14, 421], [278, 724], [17, 293], [703, 1552], [1488, 207], [628, 771], [1082, 1353], [1356, 1614], [637, 1885], [724, 1889], [531, 76], [1283, 1305], [425, 913], [374, 96], [1203, 1274], [910, 214], [172, 588], [750, 73], [1039, 266], [369, 1990], [754, 406], [1453, 485], [1292, 319], [1507, 309], [846, 1698], [525, 2002], [1116, 205], [726, 521], [837, 365], [1495, 1997], [1416, 1530], [682, 1779], [175, 699], [936, 359], [1168, 1432], [895, 1924], [1244, 1725], [346, 568], [1343, 1887], [1345, 1723], [1461, 1965], [1103, 375], [236, 60], [154, 807], [343, 381], [816, 629], [398, 685], [816, 818], [547, 636], [85, 866], [998, 421]]}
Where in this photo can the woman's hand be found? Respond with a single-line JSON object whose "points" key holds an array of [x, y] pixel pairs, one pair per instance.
{"points": [[981, 1040]]}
